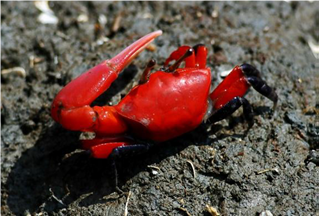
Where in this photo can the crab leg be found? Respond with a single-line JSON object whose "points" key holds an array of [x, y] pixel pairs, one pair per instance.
{"points": [[238, 82], [253, 77], [231, 107], [228, 96], [71, 107], [232, 86]]}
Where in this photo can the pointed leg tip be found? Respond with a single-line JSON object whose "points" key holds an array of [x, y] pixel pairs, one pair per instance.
{"points": [[250, 125], [274, 106], [275, 102]]}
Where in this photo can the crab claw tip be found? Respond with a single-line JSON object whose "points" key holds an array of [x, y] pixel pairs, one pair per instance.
{"points": [[158, 32], [124, 58]]}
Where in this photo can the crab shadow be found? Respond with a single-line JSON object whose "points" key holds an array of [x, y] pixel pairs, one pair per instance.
{"points": [[53, 174], [52, 169]]}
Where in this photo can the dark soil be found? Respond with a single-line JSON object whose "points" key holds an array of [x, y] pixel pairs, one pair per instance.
{"points": [[274, 167]]}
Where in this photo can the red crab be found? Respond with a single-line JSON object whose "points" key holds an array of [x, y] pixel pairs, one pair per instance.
{"points": [[166, 103]]}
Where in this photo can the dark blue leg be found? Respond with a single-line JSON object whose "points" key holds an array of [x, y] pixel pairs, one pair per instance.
{"points": [[253, 77], [231, 107], [130, 150], [126, 151]]}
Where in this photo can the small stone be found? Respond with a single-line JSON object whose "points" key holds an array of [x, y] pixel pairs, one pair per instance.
{"points": [[266, 213]]}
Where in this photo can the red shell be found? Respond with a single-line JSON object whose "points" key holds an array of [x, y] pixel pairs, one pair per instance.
{"points": [[168, 105]]}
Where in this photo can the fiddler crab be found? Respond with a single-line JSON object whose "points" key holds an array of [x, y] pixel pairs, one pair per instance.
{"points": [[164, 105]]}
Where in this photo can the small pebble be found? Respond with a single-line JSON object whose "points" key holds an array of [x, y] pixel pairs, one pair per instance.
{"points": [[266, 213]]}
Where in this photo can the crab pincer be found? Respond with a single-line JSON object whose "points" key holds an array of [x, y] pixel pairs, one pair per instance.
{"points": [[71, 107]]}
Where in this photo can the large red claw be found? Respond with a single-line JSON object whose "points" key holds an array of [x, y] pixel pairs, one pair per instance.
{"points": [[83, 90]]}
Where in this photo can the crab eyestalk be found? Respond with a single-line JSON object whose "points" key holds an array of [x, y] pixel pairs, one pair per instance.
{"points": [[83, 90], [146, 73]]}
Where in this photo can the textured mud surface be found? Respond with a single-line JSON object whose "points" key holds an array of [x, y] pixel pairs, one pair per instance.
{"points": [[275, 167]]}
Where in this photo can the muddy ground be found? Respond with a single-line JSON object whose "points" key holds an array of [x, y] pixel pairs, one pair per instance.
{"points": [[274, 167]]}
